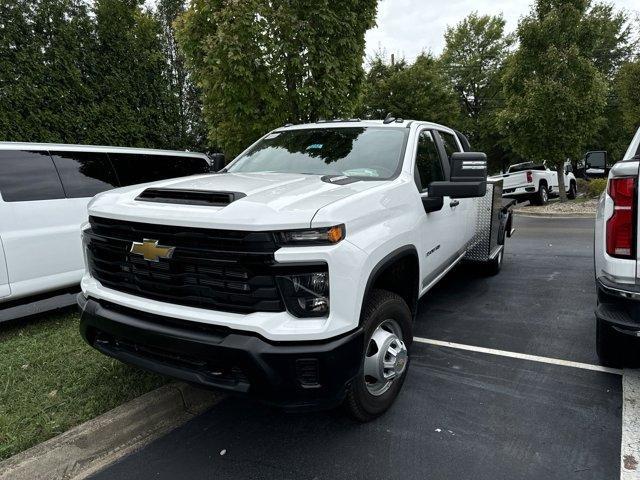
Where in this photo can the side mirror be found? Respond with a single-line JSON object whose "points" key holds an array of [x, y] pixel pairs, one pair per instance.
{"points": [[596, 160], [468, 177], [217, 161]]}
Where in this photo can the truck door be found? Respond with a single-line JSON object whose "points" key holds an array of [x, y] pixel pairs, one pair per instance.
{"points": [[4, 276], [34, 211], [437, 235]]}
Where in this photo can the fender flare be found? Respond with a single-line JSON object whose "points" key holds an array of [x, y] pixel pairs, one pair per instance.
{"points": [[387, 261]]}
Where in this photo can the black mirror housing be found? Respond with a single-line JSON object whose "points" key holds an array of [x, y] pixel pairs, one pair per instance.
{"points": [[468, 167], [596, 159], [218, 161], [468, 177]]}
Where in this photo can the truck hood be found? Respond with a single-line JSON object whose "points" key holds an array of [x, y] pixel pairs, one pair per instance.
{"points": [[271, 201]]}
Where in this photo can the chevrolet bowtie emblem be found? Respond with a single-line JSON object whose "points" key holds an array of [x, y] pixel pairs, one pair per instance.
{"points": [[151, 251]]}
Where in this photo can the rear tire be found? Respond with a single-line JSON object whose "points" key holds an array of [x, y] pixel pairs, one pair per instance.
{"points": [[493, 267], [573, 191], [386, 315], [542, 196], [610, 345]]}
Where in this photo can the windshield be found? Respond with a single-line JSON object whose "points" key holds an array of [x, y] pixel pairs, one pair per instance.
{"points": [[366, 152]]}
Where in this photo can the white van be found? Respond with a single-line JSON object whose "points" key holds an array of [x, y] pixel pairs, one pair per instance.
{"points": [[44, 191]]}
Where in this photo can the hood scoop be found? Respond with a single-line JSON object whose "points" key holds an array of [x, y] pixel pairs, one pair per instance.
{"points": [[189, 197]]}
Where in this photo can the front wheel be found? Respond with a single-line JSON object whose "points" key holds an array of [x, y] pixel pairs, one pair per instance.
{"points": [[573, 191], [385, 359]]}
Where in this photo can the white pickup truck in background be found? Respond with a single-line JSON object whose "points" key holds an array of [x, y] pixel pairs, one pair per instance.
{"points": [[536, 183]]}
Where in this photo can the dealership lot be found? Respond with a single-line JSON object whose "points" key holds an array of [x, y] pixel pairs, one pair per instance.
{"points": [[463, 414]]}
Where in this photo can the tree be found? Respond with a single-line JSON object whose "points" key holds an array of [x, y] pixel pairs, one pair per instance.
{"points": [[555, 96], [45, 57], [417, 91], [190, 130], [261, 64], [17, 55], [133, 103], [606, 38], [375, 94], [626, 86], [473, 59]]}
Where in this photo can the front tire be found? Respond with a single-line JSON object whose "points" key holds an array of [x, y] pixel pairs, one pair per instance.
{"points": [[573, 191], [385, 360]]}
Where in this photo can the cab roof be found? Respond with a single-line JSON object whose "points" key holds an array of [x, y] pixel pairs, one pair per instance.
{"points": [[356, 122]]}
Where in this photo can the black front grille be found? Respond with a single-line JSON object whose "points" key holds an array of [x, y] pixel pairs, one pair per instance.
{"points": [[224, 270]]}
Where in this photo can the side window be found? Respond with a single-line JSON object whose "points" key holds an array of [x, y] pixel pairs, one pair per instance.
{"points": [[27, 176], [84, 174], [135, 168], [179, 166], [428, 165], [450, 144], [131, 169]]}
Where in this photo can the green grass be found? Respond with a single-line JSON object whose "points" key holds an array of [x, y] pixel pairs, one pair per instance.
{"points": [[50, 381]]}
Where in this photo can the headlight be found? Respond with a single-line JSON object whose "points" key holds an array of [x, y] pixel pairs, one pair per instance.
{"points": [[306, 294], [312, 236]]}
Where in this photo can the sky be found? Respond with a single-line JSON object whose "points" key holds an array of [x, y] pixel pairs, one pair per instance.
{"points": [[408, 27]]}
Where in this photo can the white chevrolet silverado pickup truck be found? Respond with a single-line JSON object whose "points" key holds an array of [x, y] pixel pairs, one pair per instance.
{"points": [[536, 183], [294, 273], [617, 267]]}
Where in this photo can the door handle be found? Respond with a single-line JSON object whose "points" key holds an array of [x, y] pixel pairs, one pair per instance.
{"points": [[454, 203]]}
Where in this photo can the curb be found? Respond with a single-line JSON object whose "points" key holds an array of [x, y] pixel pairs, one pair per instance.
{"points": [[524, 213], [93, 445]]}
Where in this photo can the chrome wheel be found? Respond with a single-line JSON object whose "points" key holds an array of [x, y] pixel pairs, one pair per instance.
{"points": [[385, 358], [545, 196]]}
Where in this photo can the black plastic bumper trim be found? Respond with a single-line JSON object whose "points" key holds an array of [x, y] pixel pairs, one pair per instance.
{"points": [[618, 307], [224, 359]]}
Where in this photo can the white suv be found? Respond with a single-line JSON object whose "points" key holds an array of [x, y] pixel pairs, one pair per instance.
{"points": [[616, 261], [294, 274], [44, 192]]}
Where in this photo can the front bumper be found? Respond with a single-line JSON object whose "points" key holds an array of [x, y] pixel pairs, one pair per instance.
{"points": [[301, 375], [619, 306]]}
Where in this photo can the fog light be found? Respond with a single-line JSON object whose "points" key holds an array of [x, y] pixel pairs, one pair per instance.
{"points": [[306, 294]]}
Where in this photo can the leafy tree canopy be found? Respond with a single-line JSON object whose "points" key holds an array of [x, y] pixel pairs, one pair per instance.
{"points": [[418, 91], [261, 64], [98, 72], [628, 87], [555, 95], [473, 60]]}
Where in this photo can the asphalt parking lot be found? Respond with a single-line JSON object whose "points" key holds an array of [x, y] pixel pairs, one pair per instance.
{"points": [[463, 413]]}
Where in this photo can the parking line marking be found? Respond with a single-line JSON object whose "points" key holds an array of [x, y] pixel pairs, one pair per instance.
{"points": [[521, 356], [630, 445]]}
